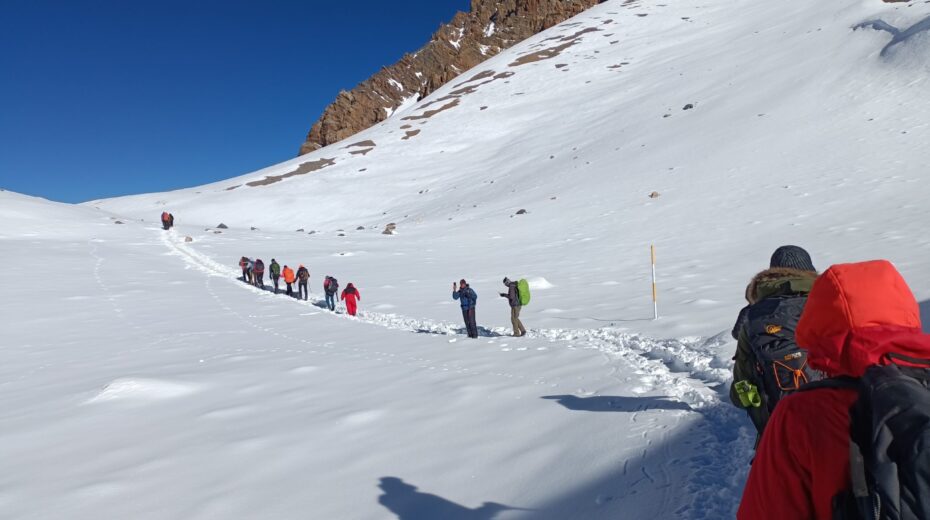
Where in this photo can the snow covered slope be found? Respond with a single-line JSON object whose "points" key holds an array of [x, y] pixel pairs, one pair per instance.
{"points": [[144, 381], [141, 380], [803, 130]]}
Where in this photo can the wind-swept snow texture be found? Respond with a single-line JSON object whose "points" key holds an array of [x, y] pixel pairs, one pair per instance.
{"points": [[144, 381]]}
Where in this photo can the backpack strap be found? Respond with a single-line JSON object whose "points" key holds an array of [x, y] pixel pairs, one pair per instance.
{"points": [[892, 357]]}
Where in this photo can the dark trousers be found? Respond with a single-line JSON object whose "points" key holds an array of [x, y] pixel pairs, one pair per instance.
{"points": [[302, 290], [260, 279], [247, 276], [275, 280], [290, 290], [165, 224], [471, 326], [331, 301]]}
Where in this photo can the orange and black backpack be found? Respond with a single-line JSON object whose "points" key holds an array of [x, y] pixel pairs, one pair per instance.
{"points": [[779, 364]]}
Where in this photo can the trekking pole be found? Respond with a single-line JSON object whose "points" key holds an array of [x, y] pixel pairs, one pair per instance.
{"points": [[655, 294]]}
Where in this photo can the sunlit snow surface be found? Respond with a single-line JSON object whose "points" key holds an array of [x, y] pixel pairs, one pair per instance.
{"points": [[140, 379]]}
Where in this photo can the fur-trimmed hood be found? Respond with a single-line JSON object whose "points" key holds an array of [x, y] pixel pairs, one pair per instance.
{"points": [[767, 283]]}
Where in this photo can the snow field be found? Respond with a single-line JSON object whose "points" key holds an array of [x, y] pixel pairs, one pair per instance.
{"points": [[186, 379]]}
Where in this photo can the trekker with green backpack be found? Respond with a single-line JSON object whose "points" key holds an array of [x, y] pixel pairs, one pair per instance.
{"points": [[518, 295], [275, 273]]}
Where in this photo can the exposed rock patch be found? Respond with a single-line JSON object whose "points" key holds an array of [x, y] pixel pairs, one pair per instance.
{"points": [[363, 144], [410, 133], [430, 113], [552, 52], [303, 169]]}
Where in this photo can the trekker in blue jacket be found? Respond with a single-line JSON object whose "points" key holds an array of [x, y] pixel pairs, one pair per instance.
{"points": [[469, 299]]}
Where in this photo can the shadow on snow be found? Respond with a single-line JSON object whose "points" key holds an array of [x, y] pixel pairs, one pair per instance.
{"points": [[604, 403], [405, 501], [696, 472]]}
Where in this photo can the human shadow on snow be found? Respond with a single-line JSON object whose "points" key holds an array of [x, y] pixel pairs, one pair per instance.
{"points": [[405, 501], [460, 331], [612, 403]]}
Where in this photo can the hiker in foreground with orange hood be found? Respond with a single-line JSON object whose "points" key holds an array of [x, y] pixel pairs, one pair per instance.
{"points": [[856, 441]]}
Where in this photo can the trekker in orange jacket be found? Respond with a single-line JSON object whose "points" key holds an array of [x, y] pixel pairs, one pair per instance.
{"points": [[289, 278], [351, 296], [855, 316]]}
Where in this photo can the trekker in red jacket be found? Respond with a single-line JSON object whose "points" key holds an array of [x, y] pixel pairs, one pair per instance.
{"points": [[855, 314], [351, 296]]}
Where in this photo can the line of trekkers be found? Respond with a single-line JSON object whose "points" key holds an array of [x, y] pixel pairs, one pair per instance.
{"points": [[834, 373], [253, 273]]}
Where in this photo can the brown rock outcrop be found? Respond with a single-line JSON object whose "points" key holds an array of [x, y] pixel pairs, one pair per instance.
{"points": [[470, 38]]}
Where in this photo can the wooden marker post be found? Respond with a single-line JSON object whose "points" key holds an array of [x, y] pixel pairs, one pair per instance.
{"points": [[655, 292]]}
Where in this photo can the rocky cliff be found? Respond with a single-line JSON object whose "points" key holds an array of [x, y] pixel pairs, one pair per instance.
{"points": [[466, 41]]}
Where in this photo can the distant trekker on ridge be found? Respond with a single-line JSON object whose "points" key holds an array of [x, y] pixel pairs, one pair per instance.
{"points": [[769, 364], [275, 269], [330, 288], [289, 278], [517, 298], [303, 275], [351, 296], [258, 273], [166, 220], [469, 299]]}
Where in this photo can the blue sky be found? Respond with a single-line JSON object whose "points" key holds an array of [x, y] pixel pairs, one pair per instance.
{"points": [[100, 98]]}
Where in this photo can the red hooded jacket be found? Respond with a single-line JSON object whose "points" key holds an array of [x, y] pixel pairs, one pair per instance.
{"points": [[855, 314]]}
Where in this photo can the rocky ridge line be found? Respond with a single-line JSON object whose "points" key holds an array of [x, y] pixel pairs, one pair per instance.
{"points": [[490, 27]]}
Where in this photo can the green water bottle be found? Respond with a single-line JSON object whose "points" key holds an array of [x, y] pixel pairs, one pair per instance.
{"points": [[748, 394]]}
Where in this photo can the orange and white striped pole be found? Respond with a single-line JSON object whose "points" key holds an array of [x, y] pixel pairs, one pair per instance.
{"points": [[655, 292]]}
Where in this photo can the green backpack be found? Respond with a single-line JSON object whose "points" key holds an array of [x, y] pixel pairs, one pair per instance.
{"points": [[523, 289]]}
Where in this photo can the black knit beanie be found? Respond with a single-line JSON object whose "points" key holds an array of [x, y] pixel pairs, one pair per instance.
{"points": [[792, 257]]}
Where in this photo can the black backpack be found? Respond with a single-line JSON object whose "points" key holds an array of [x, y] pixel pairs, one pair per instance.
{"points": [[780, 364], [333, 286], [889, 449]]}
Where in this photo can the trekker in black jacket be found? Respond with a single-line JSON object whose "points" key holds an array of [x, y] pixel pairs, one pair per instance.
{"points": [[303, 275]]}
